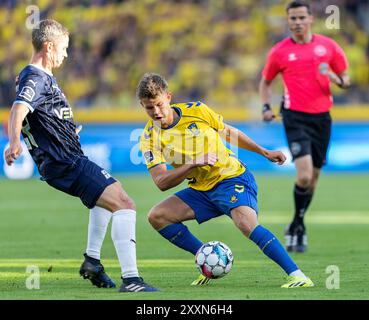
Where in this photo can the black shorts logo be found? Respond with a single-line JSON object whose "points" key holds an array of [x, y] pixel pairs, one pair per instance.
{"points": [[295, 148]]}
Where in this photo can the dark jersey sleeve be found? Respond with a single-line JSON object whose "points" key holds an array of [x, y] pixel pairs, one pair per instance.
{"points": [[30, 89]]}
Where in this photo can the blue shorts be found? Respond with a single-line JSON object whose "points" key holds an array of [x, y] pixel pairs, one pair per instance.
{"points": [[86, 181], [222, 198]]}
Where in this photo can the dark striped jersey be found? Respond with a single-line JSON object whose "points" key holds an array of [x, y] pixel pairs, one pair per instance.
{"points": [[48, 130]]}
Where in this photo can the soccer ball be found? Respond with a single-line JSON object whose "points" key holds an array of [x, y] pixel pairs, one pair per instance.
{"points": [[214, 259]]}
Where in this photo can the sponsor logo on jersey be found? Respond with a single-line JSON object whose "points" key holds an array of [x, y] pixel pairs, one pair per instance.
{"points": [[27, 93], [64, 113], [292, 57], [33, 82]]}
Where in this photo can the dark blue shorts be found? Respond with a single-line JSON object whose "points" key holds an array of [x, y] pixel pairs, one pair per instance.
{"points": [[86, 181], [222, 198]]}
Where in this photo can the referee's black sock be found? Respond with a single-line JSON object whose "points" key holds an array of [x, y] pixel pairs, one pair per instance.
{"points": [[302, 197]]}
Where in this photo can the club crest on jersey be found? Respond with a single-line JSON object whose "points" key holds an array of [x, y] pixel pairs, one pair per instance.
{"points": [[320, 50], [64, 113], [194, 129], [233, 199]]}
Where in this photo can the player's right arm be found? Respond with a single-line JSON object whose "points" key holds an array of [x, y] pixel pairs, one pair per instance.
{"points": [[17, 114], [166, 179], [271, 69], [30, 87]]}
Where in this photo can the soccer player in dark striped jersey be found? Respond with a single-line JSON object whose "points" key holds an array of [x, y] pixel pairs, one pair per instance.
{"points": [[43, 115]]}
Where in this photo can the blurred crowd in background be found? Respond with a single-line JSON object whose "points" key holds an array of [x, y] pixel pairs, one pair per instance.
{"points": [[209, 50]]}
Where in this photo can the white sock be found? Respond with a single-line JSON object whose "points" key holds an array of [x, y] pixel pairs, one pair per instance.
{"points": [[298, 273], [123, 233], [97, 226]]}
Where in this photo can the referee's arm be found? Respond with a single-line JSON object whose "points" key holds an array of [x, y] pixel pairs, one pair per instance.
{"points": [[342, 80], [265, 91]]}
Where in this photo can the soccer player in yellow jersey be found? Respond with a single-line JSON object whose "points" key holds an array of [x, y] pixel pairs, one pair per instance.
{"points": [[188, 136]]}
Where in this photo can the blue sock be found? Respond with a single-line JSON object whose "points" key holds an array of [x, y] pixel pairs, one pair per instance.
{"points": [[272, 248], [179, 235]]}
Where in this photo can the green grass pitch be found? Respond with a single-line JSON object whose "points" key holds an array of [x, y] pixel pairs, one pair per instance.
{"points": [[46, 228]]}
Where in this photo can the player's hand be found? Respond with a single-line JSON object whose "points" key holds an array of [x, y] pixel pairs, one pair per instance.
{"points": [[206, 159], [268, 115], [13, 153], [276, 156]]}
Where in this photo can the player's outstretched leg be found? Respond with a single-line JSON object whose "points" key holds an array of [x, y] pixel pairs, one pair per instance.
{"points": [[166, 218], [245, 219], [92, 268]]}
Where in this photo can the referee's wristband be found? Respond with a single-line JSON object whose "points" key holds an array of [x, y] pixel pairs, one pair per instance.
{"points": [[341, 82], [266, 107]]}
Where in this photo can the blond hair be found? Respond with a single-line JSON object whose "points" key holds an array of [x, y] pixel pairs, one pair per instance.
{"points": [[151, 85], [47, 30]]}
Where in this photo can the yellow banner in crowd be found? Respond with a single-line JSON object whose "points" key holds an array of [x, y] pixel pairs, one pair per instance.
{"points": [[121, 115]]}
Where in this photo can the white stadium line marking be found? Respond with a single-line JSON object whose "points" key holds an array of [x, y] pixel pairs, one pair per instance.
{"points": [[313, 217]]}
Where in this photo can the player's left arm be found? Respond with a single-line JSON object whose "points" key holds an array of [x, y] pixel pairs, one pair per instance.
{"points": [[241, 140]]}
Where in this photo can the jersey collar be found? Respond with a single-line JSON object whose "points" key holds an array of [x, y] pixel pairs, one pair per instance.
{"points": [[179, 112], [311, 41], [42, 69]]}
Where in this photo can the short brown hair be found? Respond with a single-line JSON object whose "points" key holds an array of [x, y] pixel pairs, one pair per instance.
{"points": [[47, 30], [151, 85]]}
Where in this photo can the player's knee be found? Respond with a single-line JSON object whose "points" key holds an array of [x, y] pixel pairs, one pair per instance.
{"points": [[126, 202], [305, 180], [244, 223], [121, 200], [156, 217], [245, 226]]}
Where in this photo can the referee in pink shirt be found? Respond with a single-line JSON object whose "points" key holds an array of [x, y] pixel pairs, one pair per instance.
{"points": [[308, 64]]}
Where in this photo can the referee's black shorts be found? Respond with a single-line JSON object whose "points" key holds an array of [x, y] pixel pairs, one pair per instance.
{"points": [[308, 134]]}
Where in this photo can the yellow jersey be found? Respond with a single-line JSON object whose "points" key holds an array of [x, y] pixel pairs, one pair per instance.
{"points": [[192, 135]]}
